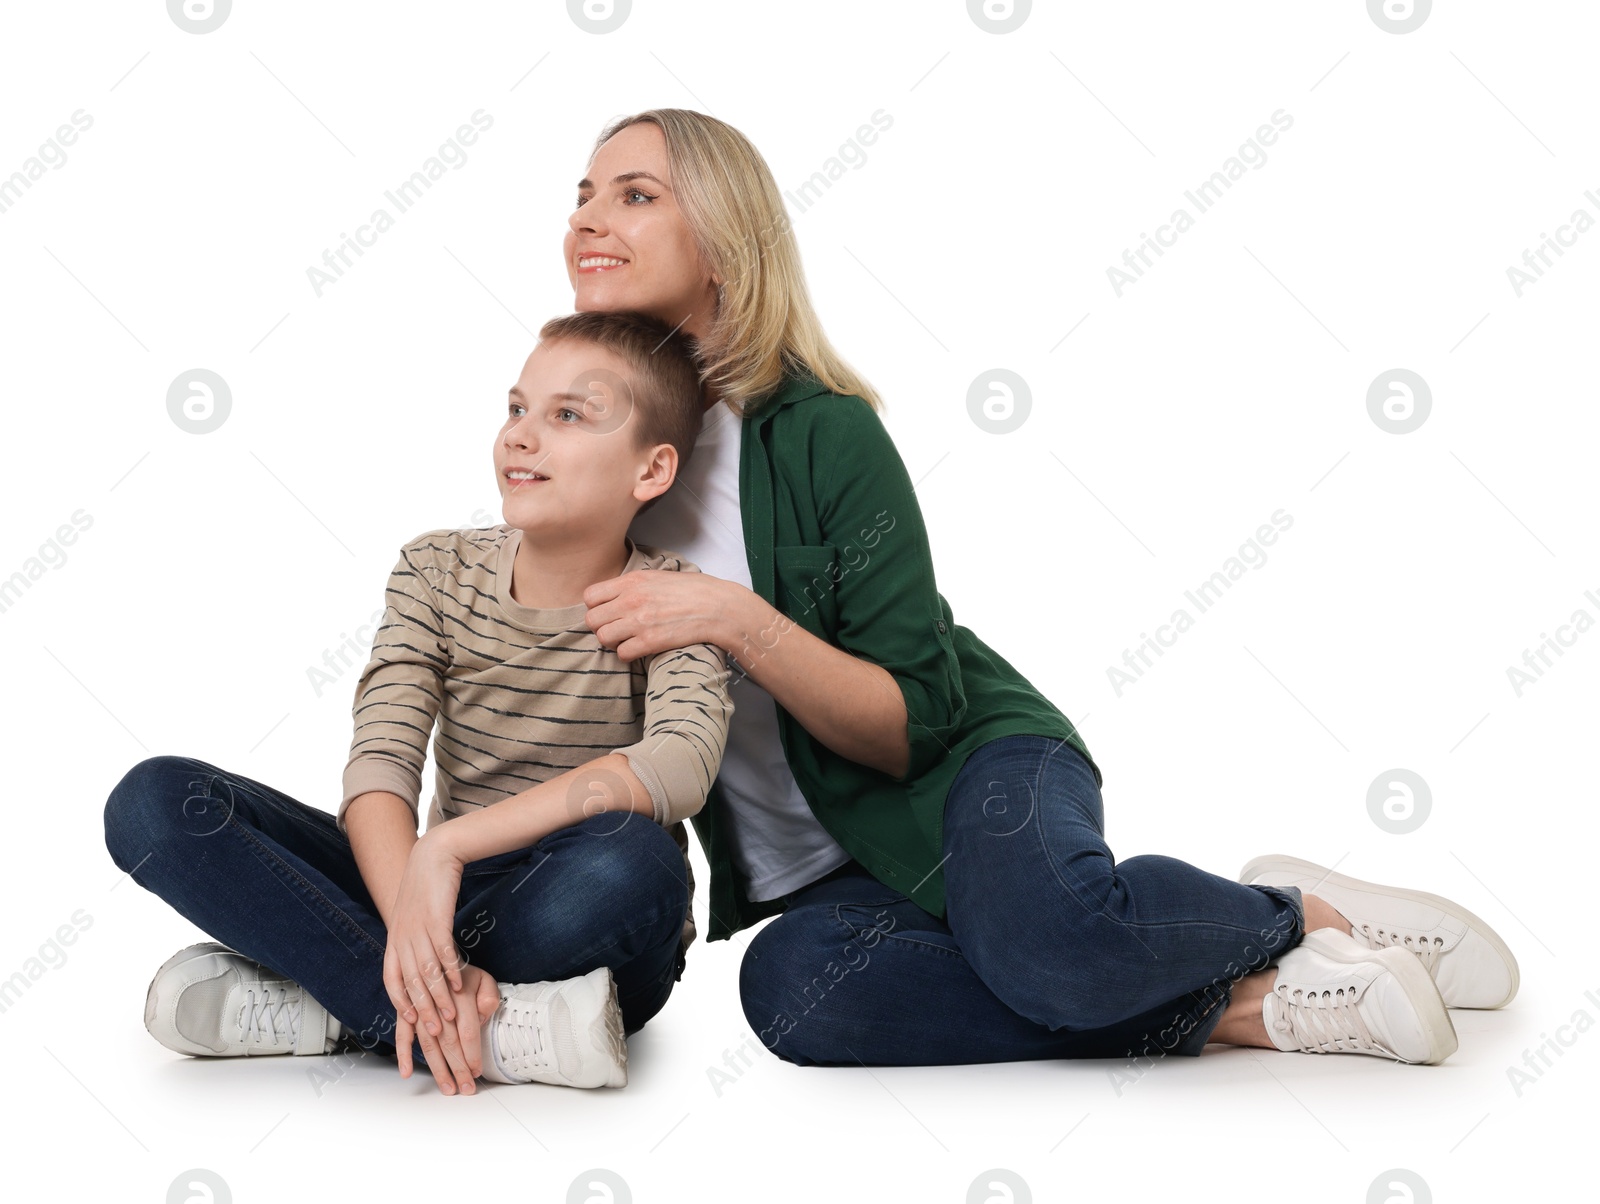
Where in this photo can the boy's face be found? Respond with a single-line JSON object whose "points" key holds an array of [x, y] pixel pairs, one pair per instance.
{"points": [[569, 420]]}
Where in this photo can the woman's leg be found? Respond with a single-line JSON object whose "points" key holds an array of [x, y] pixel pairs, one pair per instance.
{"points": [[1067, 935], [276, 881], [1050, 950], [854, 973]]}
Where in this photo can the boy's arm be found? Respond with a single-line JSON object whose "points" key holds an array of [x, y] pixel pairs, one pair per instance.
{"points": [[382, 831], [397, 701], [666, 775], [686, 716], [603, 784]]}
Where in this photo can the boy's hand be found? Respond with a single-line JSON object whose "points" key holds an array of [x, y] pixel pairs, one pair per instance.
{"points": [[422, 969], [474, 1004]]}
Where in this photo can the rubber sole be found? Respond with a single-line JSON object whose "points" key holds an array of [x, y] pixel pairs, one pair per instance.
{"points": [[1414, 980], [615, 1035], [1280, 862]]}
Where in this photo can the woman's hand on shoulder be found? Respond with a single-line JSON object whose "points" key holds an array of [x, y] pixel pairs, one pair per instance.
{"points": [[648, 611]]}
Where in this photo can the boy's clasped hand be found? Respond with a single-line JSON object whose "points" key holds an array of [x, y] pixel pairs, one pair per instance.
{"points": [[438, 996]]}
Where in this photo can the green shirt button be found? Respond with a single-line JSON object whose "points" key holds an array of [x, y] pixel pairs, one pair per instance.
{"points": [[941, 626]]}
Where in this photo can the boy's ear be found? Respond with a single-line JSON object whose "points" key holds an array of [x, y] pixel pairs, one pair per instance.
{"points": [[660, 470]]}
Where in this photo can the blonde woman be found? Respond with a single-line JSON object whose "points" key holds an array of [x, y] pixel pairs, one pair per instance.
{"points": [[925, 826]]}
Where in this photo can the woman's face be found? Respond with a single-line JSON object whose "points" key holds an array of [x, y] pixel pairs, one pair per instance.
{"points": [[627, 210]]}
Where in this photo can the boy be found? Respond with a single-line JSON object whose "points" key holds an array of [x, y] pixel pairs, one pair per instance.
{"points": [[484, 636]]}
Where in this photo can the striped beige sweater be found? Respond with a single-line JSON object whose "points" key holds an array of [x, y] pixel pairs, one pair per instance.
{"points": [[522, 694]]}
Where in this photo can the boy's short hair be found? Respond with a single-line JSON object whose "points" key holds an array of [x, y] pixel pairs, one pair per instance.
{"points": [[664, 374]]}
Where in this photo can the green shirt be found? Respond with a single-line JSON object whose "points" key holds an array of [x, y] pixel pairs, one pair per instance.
{"points": [[835, 540]]}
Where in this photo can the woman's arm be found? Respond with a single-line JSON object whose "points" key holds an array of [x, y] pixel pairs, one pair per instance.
{"points": [[888, 695], [848, 704]]}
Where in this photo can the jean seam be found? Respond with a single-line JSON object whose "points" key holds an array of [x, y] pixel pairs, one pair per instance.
{"points": [[854, 933], [907, 940], [266, 796], [267, 854], [886, 901], [1051, 861], [1131, 925]]}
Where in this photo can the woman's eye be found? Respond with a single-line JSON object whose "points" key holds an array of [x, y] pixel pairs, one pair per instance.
{"points": [[516, 410], [569, 410], [628, 196]]}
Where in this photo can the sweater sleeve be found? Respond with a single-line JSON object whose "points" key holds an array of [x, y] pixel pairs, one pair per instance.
{"points": [[890, 611], [687, 709], [400, 692]]}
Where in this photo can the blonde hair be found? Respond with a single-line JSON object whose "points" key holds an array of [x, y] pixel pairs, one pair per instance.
{"points": [[764, 327]]}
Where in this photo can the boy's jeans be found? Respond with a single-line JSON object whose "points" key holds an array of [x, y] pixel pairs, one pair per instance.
{"points": [[1049, 948], [275, 880]]}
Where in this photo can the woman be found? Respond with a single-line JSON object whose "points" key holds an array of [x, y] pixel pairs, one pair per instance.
{"points": [[925, 825]]}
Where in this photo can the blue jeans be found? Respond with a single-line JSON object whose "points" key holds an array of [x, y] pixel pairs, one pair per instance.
{"points": [[1049, 947], [276, 880]]}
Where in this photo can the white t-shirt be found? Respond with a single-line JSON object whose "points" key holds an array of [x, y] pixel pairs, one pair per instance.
{"points": [[775, 841]]}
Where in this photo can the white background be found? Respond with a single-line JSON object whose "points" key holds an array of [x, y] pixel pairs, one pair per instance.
{"points": [[1230, 382]]}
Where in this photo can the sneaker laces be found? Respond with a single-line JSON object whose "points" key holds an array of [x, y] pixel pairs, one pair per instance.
{"points": [[261, 1018], [1425, 947], [518, 1039], [1321, 1022]]}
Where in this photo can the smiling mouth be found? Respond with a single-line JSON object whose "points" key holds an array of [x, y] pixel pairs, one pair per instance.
{"points": [[600, 263]]}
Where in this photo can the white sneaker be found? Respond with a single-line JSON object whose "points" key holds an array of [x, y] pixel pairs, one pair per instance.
{"points": [[1472, 966], [1335, 995], [568, 1033], [208, 1001]]}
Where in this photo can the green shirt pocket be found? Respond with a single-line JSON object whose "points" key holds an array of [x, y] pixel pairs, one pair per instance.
{"points": [[807, 575]]}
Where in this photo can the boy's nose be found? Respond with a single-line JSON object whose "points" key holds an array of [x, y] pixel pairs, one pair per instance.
{"points": [[522, 436]]}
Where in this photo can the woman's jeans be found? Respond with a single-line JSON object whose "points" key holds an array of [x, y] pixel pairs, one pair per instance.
{"points": [[276, 881], [1049, 947]]}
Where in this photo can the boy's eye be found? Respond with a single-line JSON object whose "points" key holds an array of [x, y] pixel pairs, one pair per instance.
{"points": [[569, 410], [516, 409]]}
